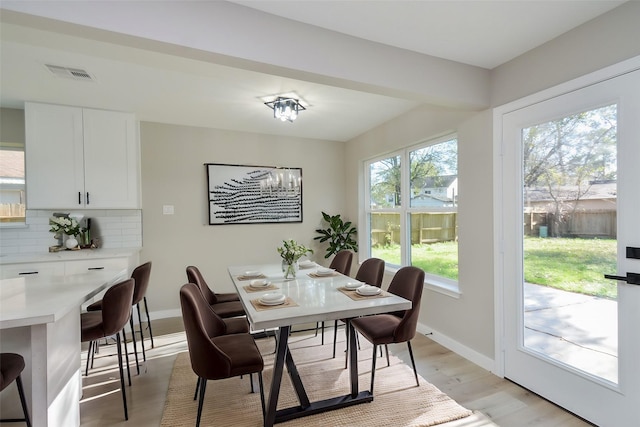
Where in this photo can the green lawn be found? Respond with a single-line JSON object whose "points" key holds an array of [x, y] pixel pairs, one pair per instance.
{"points": [[576, 265]]}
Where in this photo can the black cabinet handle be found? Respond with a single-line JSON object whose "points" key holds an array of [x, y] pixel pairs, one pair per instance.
{"points": [[630, 278], [95, 268], [79, 198], [27, 272], [87, 197]]}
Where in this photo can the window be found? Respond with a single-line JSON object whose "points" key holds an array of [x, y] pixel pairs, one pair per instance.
{"points": [[12, 194], [412, 206]]}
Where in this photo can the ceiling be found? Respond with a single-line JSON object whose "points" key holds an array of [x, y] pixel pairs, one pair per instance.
{"points": [[177, 89]]}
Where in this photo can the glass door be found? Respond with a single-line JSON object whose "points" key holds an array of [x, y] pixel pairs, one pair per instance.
{"points": [[569, 215]]}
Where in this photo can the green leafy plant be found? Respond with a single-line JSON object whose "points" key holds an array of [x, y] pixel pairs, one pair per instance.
{"points": [[339, 234], [291, 251], [66, 225]]}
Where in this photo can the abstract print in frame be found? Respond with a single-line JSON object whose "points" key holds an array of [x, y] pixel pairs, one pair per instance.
{"points": [[241, 194]]}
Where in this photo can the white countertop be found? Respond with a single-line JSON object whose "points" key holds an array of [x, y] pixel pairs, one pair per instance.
{"points": [[66, 255], [32, 300]]}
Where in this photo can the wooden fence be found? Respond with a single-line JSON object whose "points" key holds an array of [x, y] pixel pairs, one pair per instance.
{"points": [[584, 224], [12, 212], [425, 228]]}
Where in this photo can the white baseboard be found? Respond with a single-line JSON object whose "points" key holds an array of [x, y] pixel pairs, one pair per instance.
{"points": [[458, 348], [164, 314]]}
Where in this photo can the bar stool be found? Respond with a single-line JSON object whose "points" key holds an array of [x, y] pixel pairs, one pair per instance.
{"points": [[11, 367]]}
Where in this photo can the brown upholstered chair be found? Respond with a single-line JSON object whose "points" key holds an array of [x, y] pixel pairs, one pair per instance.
{"points": [[115, 313], [342, 262], [395, 327], [232, 325], [370, 272], [11, 367], [213, 354], [225, 304], [141, 276]]}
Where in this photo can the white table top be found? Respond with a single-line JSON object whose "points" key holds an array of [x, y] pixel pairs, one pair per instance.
{"points": [[31, 300], [318, 299]]}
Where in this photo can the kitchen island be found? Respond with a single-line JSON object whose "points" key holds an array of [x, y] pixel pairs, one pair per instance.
{"points": [[40, 319]]}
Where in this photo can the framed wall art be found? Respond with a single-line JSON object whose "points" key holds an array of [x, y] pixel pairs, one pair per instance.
{"points": [[253, 194]]}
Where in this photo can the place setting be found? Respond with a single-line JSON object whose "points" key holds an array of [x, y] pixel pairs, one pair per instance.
{"points": [[251, 274], [306, 264], [260, 285], [358, 291], [272, 300], [322, 272]]}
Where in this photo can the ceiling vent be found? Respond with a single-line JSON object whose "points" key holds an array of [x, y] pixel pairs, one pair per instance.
{"points": [[70, 73]]}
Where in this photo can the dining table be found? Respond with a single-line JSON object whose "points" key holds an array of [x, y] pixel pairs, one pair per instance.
{"points": [[314, 295]]}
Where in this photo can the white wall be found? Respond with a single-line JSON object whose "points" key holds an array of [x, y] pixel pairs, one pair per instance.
{"points": [[173, 173]]}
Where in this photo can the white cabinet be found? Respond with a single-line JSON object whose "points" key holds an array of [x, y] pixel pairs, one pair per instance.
{"points": [[40, 269], [81, 158], [79, 267]]}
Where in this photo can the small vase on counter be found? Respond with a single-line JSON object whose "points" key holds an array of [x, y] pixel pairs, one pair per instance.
{"points": [[71, 242]]}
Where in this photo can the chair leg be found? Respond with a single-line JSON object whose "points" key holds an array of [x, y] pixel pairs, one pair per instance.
{"points": [[195, 395], [386, 349], [146, 309], [122, 387], [261, 394], [322, 327], [89, 353], [203, 386], [144, 356], [126, 354], [23, 401], [373, 366], [135, 347], [251, 381], [335, 336], [413, 363]]}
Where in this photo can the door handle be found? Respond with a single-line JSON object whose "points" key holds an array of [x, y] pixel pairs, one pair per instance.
{"points": [[630, 278]]}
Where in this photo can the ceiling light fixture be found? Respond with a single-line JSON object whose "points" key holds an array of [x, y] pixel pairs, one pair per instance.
{"points": [[285, 108]]}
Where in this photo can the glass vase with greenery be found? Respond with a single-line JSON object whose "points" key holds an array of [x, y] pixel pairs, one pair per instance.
{"points": [[339, 234], [290, 252]]}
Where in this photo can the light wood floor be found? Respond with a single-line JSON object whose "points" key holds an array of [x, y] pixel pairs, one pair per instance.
{"points": [[495, 401]]}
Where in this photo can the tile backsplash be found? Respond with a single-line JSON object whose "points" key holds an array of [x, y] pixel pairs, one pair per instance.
{"points": [[116, 229]]}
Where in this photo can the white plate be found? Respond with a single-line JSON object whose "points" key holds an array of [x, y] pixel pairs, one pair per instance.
{"points": [[325, 271], [368, 290], [353, 286], [306, 264], [272, 302], [252, 273], [271, 298], [259, 283]]}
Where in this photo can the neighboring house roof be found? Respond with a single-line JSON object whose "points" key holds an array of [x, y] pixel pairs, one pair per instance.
{"points": [[11, 167], [595, 191]]}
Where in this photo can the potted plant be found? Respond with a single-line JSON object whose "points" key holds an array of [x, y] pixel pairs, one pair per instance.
{"points": [[339, 234], [291, 252], [65, 225]]}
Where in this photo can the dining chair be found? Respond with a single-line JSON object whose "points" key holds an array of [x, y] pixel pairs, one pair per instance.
{"points": [[232, 325], [111, 320], [371, 272], [213, 354], [224, 304], [140, 275], [399, 326], [11, 367]]}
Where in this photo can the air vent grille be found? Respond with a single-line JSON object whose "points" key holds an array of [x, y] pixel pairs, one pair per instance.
{"points": [[70, 73]]}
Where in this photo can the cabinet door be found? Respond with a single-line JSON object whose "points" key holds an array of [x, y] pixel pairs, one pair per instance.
{"points": [[41, 269], [54, 156], [111, 160]]}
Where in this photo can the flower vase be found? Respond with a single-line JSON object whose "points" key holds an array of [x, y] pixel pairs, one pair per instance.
{"points": [[289, 269], [71, 242]]}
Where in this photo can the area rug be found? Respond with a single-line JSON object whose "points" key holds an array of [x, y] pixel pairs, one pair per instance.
{"points": [[398, 402]]}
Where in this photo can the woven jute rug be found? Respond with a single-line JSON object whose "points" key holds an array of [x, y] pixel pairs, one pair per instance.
{"points": [[397, 400]]}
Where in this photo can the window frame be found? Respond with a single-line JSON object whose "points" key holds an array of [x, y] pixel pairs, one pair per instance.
{"points": [[434, 282]]}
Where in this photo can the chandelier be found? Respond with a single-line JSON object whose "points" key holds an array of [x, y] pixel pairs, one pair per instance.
{"points": [[285, 109]]}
